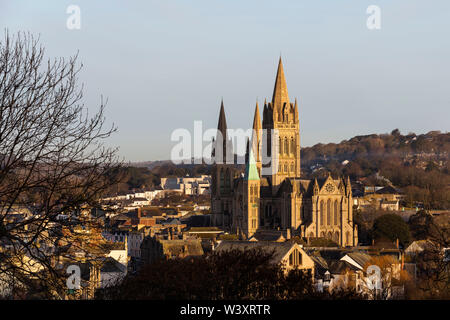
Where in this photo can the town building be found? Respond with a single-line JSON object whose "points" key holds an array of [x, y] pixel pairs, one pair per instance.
{"points": [[188, 185], [289, 254]]}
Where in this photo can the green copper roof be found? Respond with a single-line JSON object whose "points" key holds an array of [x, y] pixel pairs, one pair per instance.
{"points": [[251, 172]]}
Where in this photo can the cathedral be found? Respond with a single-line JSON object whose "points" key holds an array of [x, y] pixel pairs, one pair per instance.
{"points": [[264, 199]]}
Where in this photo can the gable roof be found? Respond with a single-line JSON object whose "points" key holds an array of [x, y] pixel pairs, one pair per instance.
{"points": [[387, 190], [279, 249], [359, 258], [268, 235], [112, 265], [182, 247], [340, 266]]}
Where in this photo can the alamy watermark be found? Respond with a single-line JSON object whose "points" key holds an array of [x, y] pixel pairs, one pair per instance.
{"points": [[73, 21], [74, 280], [211, 147], [374, 19]]}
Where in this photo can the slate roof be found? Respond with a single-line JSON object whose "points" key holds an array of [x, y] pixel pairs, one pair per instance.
{"points": [[180, 247], [387, 190], [359, 257], [112, 265], [321, 265], [279, 249], [269, 235], [339, 267]]}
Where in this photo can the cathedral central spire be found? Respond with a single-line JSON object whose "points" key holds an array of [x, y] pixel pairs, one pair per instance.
{"points": [[222, 125], [280, 92]]}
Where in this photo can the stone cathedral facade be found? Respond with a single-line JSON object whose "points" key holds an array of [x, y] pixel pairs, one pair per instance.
{"points": [[279, 199]]}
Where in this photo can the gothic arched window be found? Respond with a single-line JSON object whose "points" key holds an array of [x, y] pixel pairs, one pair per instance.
{"points": [[280, 146], [329, 212], [292, 167], [221, 180], [336, 213], [321, 212], [227, 179], [286, 146], [292, 146], [336, 237]]}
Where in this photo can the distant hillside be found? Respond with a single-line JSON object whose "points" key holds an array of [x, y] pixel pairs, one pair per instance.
{"points": [[419, 164], [433, 145]]}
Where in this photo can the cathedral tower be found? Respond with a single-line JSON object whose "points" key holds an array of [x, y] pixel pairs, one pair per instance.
{"points": [[283, 144], [222, 174]]}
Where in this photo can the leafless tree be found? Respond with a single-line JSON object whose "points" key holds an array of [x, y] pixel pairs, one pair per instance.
{"points": [[53, 161], [433, 267]]}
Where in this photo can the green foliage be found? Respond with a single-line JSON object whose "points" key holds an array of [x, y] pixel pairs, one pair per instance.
{"points": [[391, 227]]}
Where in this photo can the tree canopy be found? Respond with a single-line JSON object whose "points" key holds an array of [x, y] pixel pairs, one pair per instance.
{"points": [[391, 227]]}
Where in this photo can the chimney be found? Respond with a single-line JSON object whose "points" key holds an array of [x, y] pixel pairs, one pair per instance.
{"points": [[288, 233], [396, 243]]}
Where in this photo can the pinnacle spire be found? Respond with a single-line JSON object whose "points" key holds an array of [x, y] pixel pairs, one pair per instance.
{"points": [[280, 92], [257, 119], [222, 125], [256, 134], [222, 138]]}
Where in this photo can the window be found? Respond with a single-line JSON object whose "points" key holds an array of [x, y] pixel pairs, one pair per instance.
{"points": [[280, 144], [227, 179], [329, 212], [286, 146], [295, 258], [321, 212], [221, 180], [292, 146], [292, 167], [336, 214]]}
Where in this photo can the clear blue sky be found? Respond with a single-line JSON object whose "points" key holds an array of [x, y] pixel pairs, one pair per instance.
{"points": [[163, 64]]}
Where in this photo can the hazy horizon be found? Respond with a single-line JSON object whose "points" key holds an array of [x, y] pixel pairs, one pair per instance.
{"points": [[164, 64]]}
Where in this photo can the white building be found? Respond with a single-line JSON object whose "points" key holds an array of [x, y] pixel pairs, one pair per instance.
{"points": [[188, 185]]}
